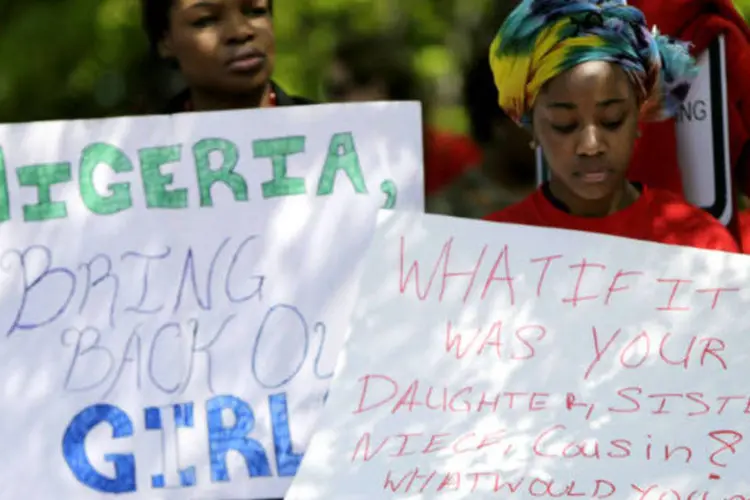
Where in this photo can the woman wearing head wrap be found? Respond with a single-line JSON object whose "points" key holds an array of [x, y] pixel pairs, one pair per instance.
{"points": [[580, 74]]}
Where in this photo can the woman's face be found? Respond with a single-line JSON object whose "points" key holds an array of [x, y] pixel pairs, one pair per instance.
{"points": [[586, 121], [221, 46]]}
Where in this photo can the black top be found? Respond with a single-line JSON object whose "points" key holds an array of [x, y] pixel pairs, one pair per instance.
{"points": [[178, 103]]}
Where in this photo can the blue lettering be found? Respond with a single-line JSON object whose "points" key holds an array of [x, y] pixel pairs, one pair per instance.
{"points": [[293, 336], [223, 439], [107, 274], [287, 461], [66, 280], [134, 341], [189, 269], [175, 327], [140, 307], [205, 349], [152, 422], [74, 449], [320, 328], [82, 349], [258, 292], [183, 419]]}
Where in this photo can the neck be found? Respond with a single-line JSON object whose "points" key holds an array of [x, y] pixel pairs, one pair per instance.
{"points": [[209, 101], [618, 200], [516, 174]]}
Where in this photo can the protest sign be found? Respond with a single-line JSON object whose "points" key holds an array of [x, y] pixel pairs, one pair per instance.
{"points": [[502, 361], [175, 291], [702, 129]]}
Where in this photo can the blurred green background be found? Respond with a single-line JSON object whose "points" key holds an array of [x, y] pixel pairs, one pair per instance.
{"points": [[88, 58]]}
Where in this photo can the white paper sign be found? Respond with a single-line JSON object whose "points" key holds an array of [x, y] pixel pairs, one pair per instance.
{"points": [[501, 361], [703, 137], [702, 129], [175, 292]]}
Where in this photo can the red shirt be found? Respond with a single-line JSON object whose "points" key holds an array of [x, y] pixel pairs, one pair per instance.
{"points": [[657, 216], [447, 156]]}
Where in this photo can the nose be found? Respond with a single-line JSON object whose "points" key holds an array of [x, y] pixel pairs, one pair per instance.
{"points": [[590, 142], [238, 28]]}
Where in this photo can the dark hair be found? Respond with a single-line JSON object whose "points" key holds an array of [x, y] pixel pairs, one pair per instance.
{"points": [[480, 98], [368, 58], [155, 19]]}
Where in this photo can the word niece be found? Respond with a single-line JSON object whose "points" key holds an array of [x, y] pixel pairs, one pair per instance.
{"points": [[551, 442], [157, 185], [579, 75], [496, 270]]}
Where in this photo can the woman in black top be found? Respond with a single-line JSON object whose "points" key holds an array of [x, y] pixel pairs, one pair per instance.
{"points": [[225, 50]]}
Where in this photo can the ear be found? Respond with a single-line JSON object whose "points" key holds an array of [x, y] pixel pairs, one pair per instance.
{"points": [[164, 48], [534, 140]]}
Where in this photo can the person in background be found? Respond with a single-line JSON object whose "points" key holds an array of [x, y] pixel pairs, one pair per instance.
{"points": [[701, 22], [377, 68], [581, 74], [224, 49], [506, 173]]}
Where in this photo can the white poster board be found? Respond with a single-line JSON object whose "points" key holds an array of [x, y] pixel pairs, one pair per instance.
{"points": [[519, 362], [175, 292], [702, 138]]}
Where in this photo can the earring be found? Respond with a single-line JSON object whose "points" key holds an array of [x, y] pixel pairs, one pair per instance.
{"points": [[638, 133], [532, 145]]}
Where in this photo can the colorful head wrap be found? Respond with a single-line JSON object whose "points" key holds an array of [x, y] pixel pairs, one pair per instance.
{"points": [[543, 38]]}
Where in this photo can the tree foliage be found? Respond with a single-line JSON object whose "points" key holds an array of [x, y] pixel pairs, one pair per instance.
{"points": [[88, 58]]}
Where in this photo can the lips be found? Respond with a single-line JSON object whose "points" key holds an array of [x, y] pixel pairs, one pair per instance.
{"points": [[248, 60], [593, 175]]}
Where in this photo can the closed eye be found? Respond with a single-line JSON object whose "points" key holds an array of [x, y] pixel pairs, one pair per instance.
{"points": [[565, 129], [255, 11], [204, 21], [613, 125]]}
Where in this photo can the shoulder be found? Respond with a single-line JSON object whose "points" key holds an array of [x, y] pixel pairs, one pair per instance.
{"points": [[284, 99], [178, 103], [300, 101], [522, 212], [675, 221]]}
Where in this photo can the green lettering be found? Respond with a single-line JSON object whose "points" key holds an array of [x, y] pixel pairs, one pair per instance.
{"points": [[388, 187], [278, 149], [207, 177], [4, 197], [119, 198], [155, 181], [342, 155], [44, 176]]}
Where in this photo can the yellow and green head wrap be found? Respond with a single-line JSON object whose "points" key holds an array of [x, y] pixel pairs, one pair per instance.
{"points": [[543, 38]]}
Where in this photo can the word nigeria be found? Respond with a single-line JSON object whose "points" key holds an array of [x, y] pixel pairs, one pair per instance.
{"points": [[342, 156]]}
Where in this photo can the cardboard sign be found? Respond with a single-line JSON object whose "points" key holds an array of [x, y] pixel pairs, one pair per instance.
{"points": [[702, 138], [175, 292], [501, 361]]}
